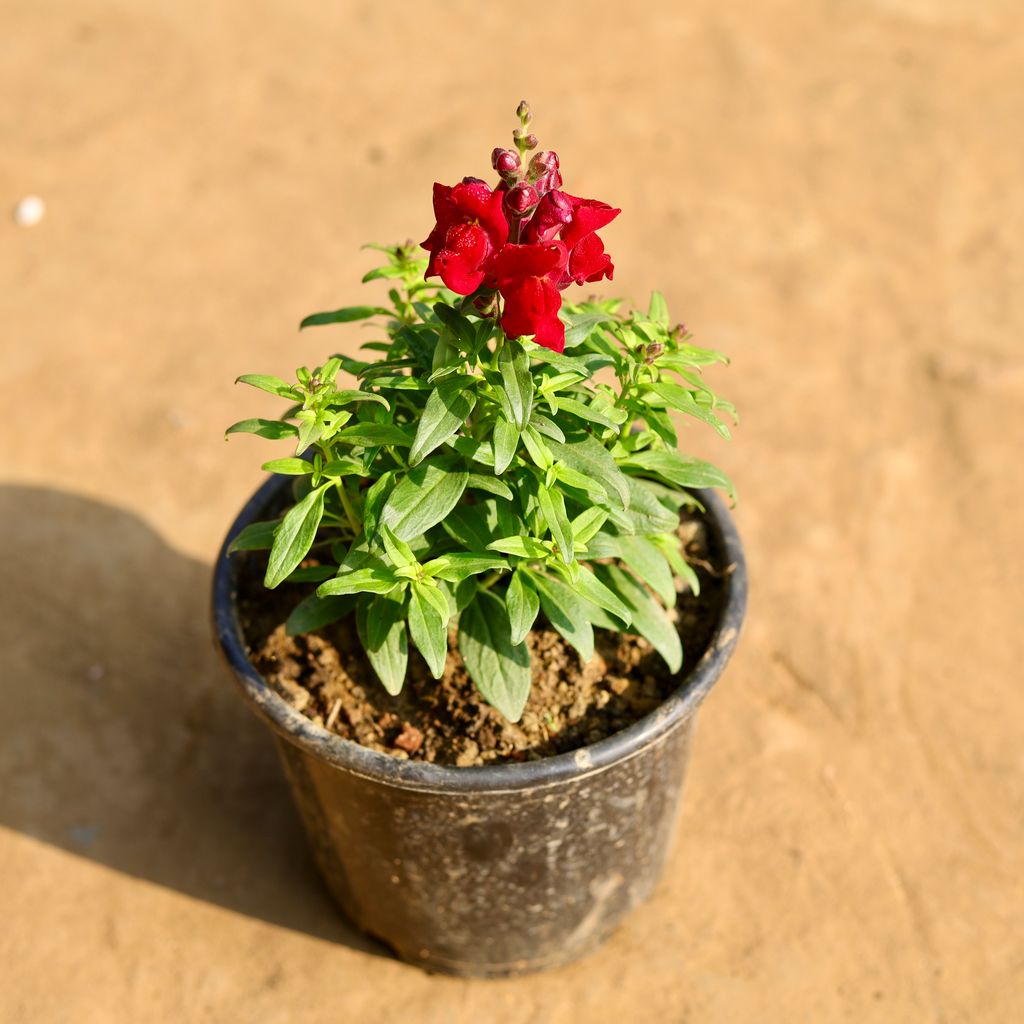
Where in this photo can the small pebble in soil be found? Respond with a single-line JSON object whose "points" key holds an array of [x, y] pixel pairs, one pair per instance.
{"points": [[410, 739], [29, 211]]}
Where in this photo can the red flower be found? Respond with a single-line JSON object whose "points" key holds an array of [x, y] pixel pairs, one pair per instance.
{"points": [[470, 229], [526, 279], [576, 223]]}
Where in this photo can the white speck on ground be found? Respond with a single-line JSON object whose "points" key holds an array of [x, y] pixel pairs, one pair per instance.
{"points": [[29, 211]]}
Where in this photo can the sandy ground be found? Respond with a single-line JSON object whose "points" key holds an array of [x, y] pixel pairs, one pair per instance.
{"points": [[831, 191]]}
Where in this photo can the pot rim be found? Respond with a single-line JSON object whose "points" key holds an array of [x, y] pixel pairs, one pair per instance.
{"points": [[293, 726]]}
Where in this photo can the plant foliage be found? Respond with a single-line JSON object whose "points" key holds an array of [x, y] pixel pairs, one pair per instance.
{"points": [[458, 483]]}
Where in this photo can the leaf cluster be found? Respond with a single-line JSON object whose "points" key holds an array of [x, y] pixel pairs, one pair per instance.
{"points": [[464, 483]]}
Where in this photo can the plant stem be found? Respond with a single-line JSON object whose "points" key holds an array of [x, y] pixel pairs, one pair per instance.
{"points": [[353, 519], [490, 580]]}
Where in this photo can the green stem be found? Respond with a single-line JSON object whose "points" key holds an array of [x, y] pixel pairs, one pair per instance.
{"points": [[393, 452], [490, 580], [350, 513]]}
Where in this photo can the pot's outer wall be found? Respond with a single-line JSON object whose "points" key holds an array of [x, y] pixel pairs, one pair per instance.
{"points": [[495, 869], [488, 883]]}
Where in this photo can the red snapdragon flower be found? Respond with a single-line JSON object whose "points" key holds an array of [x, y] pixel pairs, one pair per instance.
{"points": [[470, 229], [554, 240], [575, 222], [526, 276]]}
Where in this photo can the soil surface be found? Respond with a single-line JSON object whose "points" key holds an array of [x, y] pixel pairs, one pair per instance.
{"points": [[326, 676]]}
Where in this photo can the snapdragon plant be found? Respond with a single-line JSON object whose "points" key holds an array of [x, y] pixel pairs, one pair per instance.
{"points": [[475, 473]]}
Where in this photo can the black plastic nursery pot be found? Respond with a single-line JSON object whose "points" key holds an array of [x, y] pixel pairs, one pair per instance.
{"points": [[500, 869]]}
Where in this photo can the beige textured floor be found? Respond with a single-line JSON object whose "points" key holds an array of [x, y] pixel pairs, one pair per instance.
{"points": [[831, 191]]}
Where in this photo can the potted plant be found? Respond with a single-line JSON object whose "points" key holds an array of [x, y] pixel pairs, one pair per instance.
{"points": [[483, 595]]}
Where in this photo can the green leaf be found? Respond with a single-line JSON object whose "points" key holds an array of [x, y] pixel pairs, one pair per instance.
{"points": [[311, 428], [382, 272], [499, 668], [272, 385], [294, 536], [567, 612], [475, 451], [661, 423], [311, 574], [506, 441], [464, 592], [580, 326], [658, 309], [345, 466], [682, 400], [380, 622], [459, 565], [491, 484], [315, 612], [523, 604], [546, 427], [447, 409], [421, 342], [514, 367], [587, 523], [521, 547], [670, 547], [590, 587], [459, 326], [398, 382], [502, 520], [274, 430], [428, 625], [581, 482], [372, 435], [288, 467], [398, 551], [560, 381], [422, 499], [590, 458], [649, 618], [374, 501], [344, 316], [567, 364], [354, 395], [537, 448], [552, 510], [686, 356], [372, 580], [255, 537], [680, 470], [586, 412], [647, 515], [643, 558], [468, 527]]}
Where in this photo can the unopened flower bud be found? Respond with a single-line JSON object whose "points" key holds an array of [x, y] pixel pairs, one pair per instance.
{"points": [[530, 142], [548, 182], [521, 199], [652, 352], [505, 161], [542, 162], [486, 304], [523, 111]]}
